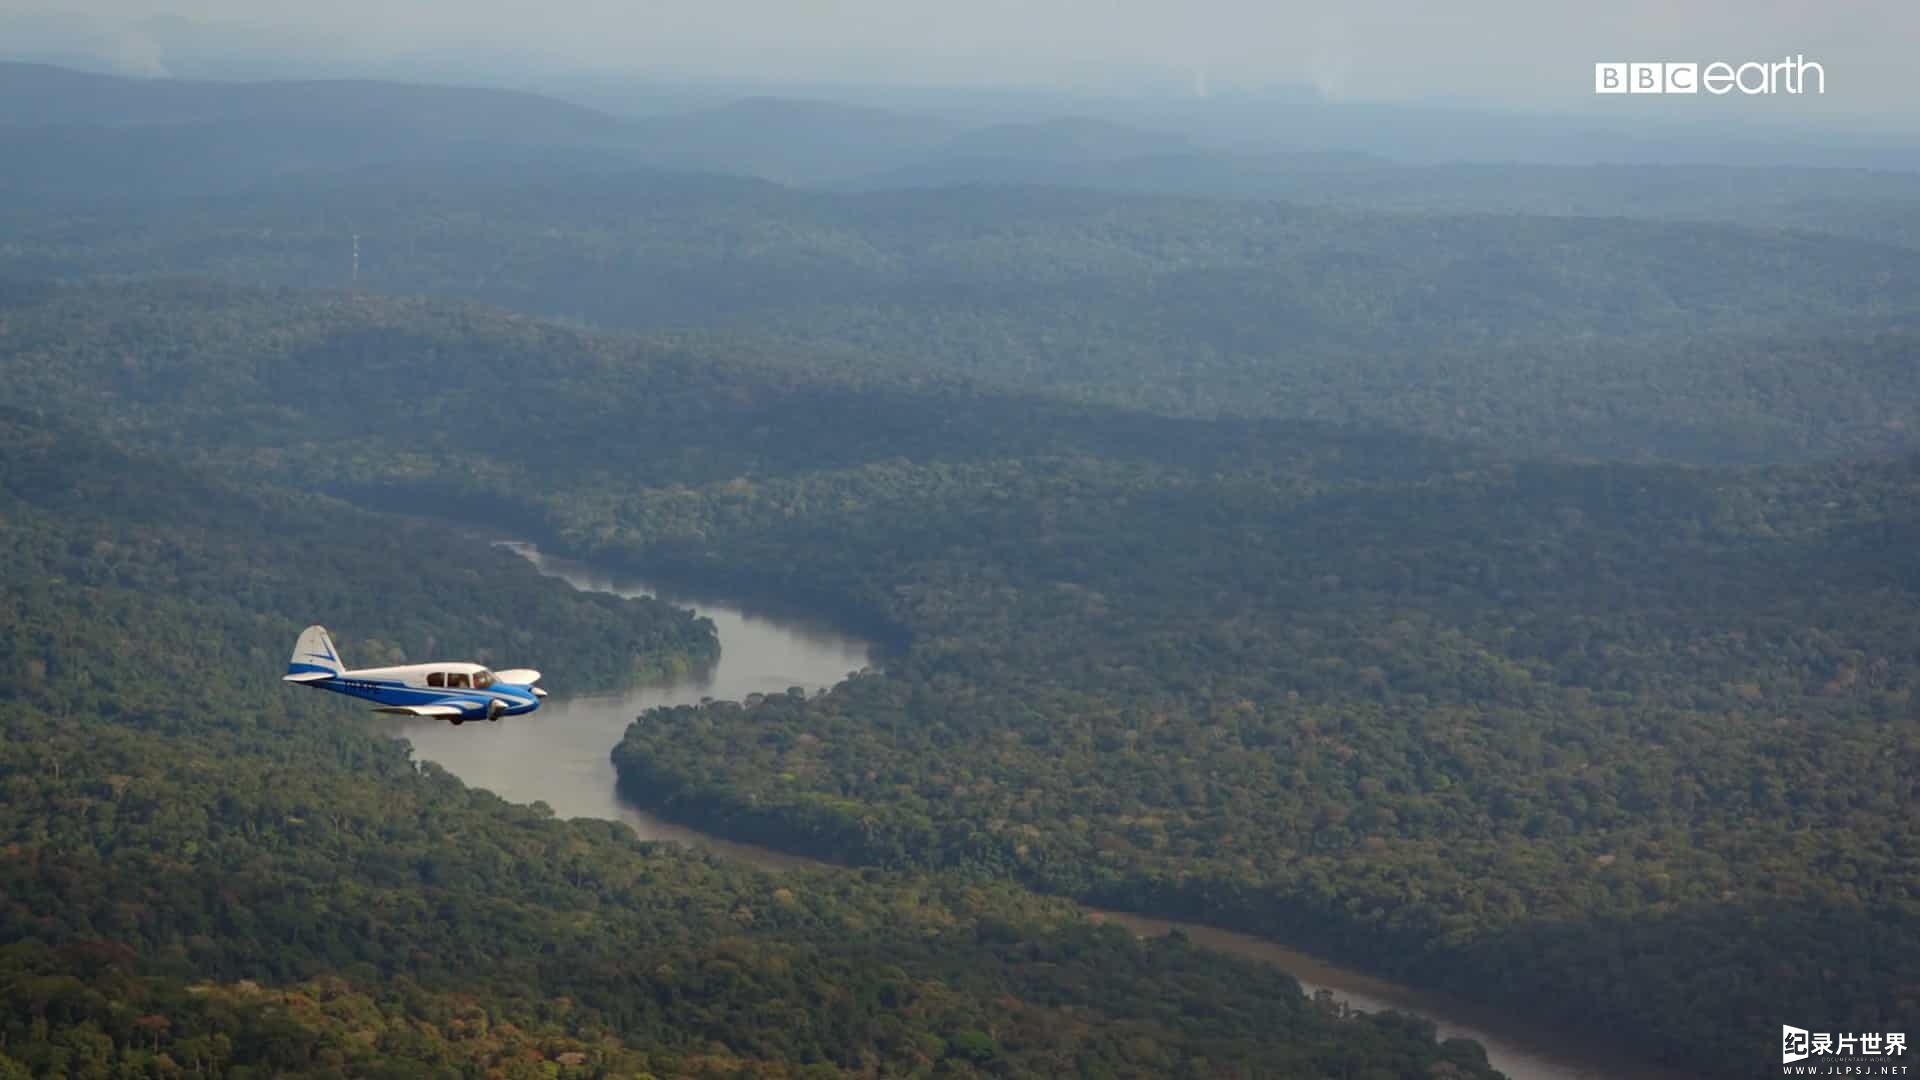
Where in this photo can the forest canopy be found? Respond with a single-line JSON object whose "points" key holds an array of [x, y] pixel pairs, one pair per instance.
{"points": [[1580, 740], [1497, 577], [207, 873]]}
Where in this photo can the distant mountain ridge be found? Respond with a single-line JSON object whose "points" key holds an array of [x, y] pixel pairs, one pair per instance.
{"points": [[1880, 205], [1072, 138], [40, 95], [73, 137], [789, 140]]}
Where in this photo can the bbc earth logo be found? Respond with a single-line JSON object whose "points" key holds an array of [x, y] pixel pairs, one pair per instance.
{"points": [[1789, 75]]}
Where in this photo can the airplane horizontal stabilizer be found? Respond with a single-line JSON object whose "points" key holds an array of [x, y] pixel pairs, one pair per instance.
{"points": [[307, 676]]}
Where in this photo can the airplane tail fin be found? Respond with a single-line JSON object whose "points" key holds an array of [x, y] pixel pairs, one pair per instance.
{"points": [[314, 657]]}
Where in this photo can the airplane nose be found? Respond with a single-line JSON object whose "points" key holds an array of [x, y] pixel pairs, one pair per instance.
{"points": [[537, 692]]}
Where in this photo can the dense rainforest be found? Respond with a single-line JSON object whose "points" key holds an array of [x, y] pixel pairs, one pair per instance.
{"points": [[1605, 336], [264, 562], [1604, 743], [1592, 744], [1501, 577], [205, 872]]}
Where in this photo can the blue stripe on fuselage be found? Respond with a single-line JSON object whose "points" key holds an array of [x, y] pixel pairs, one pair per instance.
{"points": [[389, 692]]}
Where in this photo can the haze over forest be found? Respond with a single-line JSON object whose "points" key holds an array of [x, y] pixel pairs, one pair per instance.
{"points": [[1498, 54], [1454, 527]]}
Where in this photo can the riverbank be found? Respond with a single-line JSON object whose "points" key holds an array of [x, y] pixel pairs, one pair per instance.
{"points": [[562, 760], [779, 838]]}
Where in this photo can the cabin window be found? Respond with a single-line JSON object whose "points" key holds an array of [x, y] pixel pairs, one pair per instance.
{"points": [[437, 679], [482, 679], [457, 681]]}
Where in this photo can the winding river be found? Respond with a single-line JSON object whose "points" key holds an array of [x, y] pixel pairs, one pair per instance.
{"points": [[561, 756]]}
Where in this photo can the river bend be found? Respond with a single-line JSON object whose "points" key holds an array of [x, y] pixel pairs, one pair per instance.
{"points": [[562, 756]]}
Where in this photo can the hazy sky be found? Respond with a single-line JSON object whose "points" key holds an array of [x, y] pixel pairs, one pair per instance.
{"points": [[1515, 52]]}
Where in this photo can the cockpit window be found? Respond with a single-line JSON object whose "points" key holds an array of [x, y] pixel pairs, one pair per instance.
{"points": [[437, 679], [482, 679], [457, 680]]}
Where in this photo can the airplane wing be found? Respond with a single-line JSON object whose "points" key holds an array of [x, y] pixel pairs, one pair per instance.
{"points": [[521, 676], [430, 709]]}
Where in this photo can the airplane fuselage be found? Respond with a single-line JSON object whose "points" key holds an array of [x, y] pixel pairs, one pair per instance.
{"points": [[451, 690], [409, 685]]}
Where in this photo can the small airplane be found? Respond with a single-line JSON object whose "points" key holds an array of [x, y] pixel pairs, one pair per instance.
{"points": [[457, 691]]}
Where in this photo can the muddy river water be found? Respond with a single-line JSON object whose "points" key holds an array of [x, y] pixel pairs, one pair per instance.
{"points": [[561, 756]]}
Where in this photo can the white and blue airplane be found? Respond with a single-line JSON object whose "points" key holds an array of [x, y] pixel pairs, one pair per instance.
{"points": [[456, 691]]}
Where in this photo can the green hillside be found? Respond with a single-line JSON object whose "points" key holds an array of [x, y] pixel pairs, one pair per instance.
{"points": [[1581, 741], [202, 870], [1587, 337]]}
